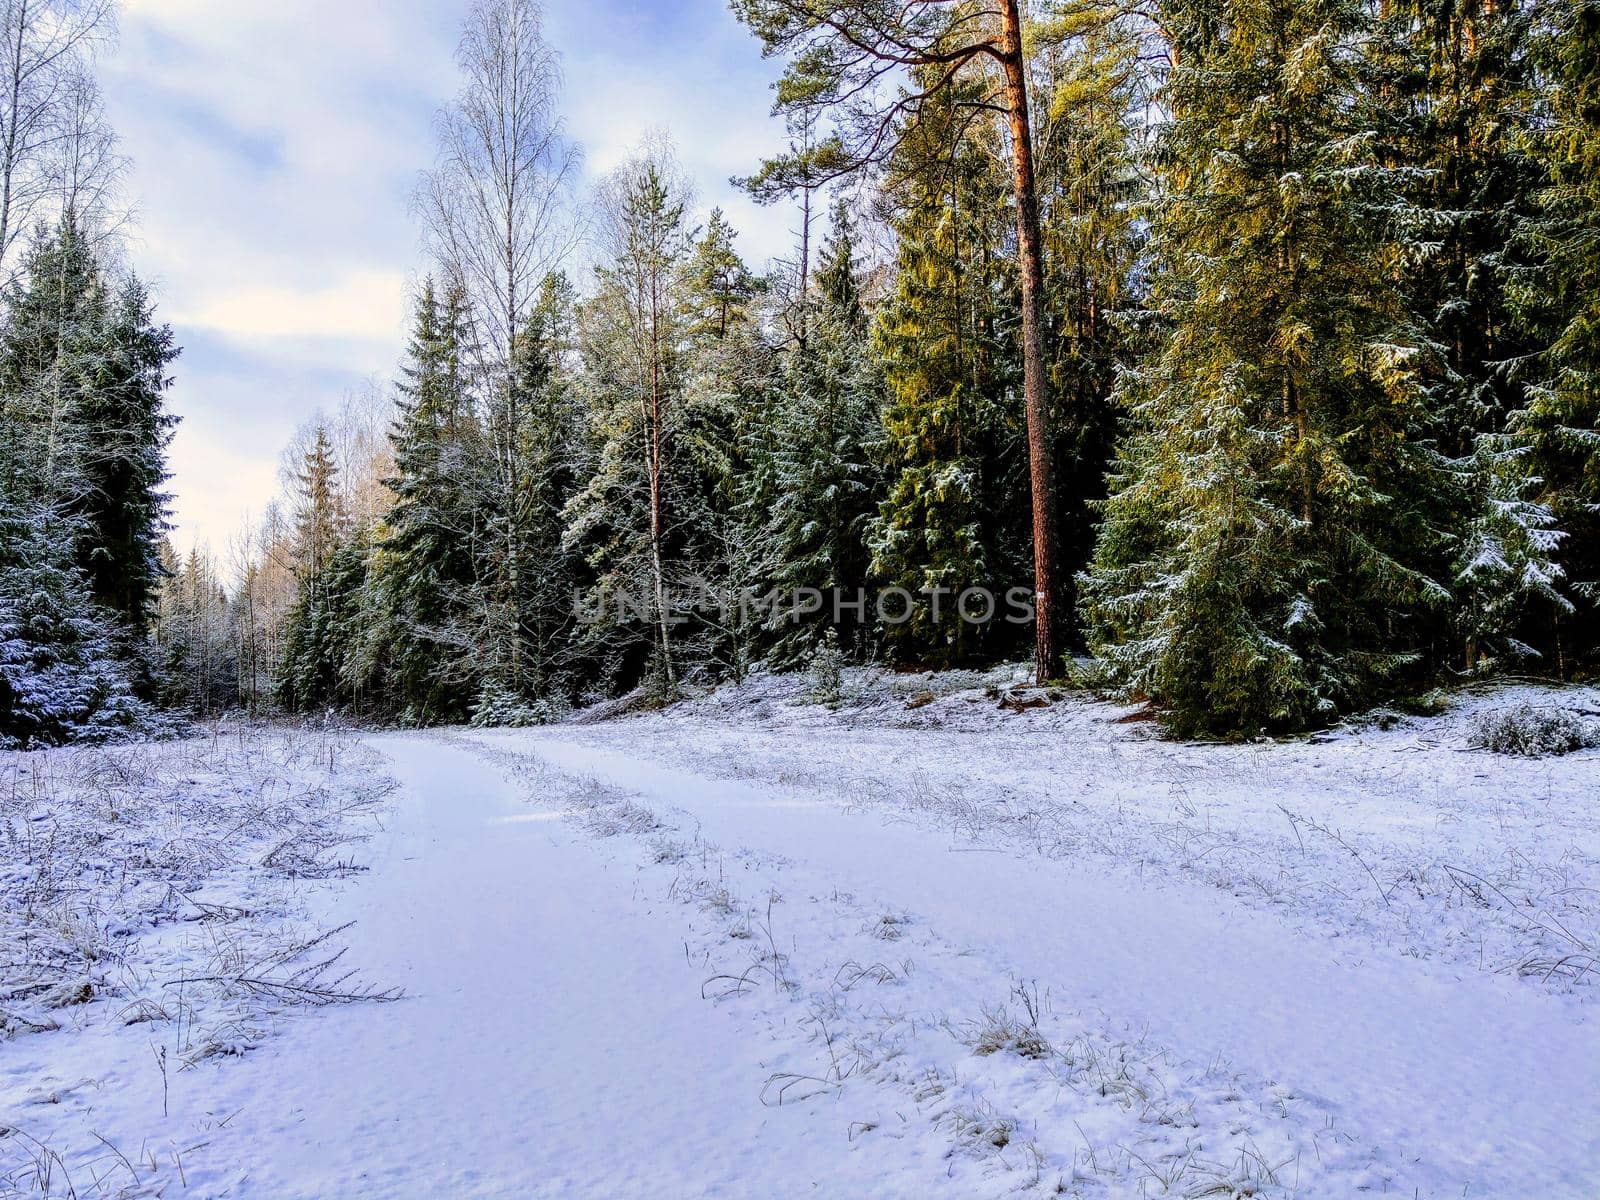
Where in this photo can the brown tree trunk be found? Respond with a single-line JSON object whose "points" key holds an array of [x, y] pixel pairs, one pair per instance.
{"points": [[805, 269], [1035, 389], [657, 521]]}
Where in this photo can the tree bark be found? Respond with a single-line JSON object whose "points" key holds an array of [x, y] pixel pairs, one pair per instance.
{"points": [[8, 152], [1035, 387], [657, 516]]}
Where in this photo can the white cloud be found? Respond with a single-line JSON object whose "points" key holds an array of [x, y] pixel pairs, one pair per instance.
{"points": [[275, 143], [698, 75], [364, 305], [275, 147], [202, 470]]}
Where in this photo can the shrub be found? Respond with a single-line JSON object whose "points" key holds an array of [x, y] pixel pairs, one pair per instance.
{"points": [[827, 670], [499, 707], [1532, 731]]}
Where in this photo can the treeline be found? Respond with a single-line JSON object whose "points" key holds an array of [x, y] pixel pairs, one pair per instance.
{"points": [[1257, 341], [1292, 308], [83, 428]]}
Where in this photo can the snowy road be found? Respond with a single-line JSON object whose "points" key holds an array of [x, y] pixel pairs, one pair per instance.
{"points": [[628, 978], [558, 1039], [1467, 1078], [552, 1044]]}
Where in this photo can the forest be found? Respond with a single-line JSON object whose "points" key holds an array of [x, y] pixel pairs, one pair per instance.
{"points": [[1256, 342]]}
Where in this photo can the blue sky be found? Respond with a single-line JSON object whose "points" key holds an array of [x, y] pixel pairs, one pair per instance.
{"points": [[275, 144]]}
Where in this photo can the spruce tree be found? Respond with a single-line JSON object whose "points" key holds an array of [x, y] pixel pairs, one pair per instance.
{"points": [[838, 273], [51, 350], [195, 636], [721, 287], [1451, 84], [319, 519], [1455, 82], [424, 560], [1560, 299], [550, 445], [325, 653], [729, 393], [826, 485], [523, 558], [1271, 549], [85, 373], [1509, 581], [64, 658], [953, 516], [60, 679], [124, 507], [309, 673], [1092, 204]]}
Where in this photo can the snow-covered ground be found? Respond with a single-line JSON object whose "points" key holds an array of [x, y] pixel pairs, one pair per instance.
{"points": [[919, 944]]}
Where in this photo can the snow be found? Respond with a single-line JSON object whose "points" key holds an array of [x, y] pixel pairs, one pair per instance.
{"points": [[757, 946]]}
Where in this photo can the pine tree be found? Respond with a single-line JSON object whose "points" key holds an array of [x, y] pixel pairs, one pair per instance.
{"points": [[965, 58], [624, 520], [1271, 550], [953, 453]]}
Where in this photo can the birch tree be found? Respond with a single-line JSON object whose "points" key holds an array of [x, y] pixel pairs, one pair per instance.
{"points": [[496, 210], [56, 150]]}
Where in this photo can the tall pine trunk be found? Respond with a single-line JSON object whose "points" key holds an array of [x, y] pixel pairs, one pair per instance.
{"points": [[1035, 387], [657, 516]]}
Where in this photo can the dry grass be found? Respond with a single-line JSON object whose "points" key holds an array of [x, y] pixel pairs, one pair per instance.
{"points": [[161, 885]]}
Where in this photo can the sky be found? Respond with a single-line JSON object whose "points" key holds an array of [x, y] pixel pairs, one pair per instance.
{"points": [[275, 145]]}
